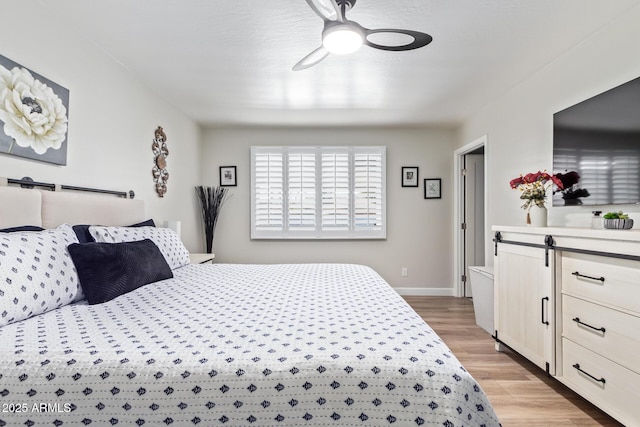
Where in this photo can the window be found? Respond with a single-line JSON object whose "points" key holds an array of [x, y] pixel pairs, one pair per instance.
{"points": [[318, 192]]}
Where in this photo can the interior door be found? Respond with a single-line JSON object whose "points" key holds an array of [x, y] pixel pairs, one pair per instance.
{"points": [[473, 230]]}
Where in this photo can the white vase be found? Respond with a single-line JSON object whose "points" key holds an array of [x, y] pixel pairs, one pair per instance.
{"points": [[537, 216]]}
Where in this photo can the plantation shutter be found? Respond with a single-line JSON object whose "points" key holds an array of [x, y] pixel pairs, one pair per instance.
{"points": [[335, 203], [368, 191], [268, 190], [318, 192], [301, 190]]}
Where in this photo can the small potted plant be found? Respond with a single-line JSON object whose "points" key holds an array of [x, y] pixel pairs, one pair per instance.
{"points": [[617, 221]]}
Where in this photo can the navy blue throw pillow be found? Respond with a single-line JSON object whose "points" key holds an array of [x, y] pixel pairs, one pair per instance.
{"points": [[147, 223], [21, 228], [108, 270], [82, 230]]}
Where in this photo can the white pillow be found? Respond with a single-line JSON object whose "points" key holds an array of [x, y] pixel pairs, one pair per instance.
{"points": [[165, 238], [36, 273]]}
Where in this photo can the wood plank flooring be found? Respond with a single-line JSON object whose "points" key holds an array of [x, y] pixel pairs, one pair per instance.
{"points": [[520, 392]]}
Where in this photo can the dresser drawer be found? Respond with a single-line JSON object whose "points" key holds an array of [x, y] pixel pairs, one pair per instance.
{"points": [[617, 392], [605, 280], [611, 333]]}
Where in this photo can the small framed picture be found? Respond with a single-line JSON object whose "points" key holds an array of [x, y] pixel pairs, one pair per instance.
{"points": [[228, 176], [432, 188], [409, 176]]}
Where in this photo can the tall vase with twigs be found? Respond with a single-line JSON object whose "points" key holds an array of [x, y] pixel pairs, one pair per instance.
{"points": [[211, 201]]}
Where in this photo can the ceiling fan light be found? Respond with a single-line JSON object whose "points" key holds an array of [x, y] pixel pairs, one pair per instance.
{"points": [[342, 39]]}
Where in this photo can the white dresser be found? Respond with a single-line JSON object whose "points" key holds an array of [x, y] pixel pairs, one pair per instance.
{"points": [[569, 300]]}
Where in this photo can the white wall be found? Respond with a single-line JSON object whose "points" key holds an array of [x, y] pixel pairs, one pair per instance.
{"points": [[112, 118], [519, 124], [418, 231]]}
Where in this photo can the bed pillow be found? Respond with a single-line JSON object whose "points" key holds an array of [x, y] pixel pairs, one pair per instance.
{"points": [[82, 230], [21, 228], [36, 273], [165, 238], [108, 270]]}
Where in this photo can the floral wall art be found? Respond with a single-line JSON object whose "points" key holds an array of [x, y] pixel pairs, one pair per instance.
{"points": [[33, 114]]}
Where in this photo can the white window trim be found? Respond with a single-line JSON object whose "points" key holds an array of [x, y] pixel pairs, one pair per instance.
{"points": [[318, 233]]}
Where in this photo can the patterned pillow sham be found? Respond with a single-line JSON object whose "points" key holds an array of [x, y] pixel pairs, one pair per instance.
{"points": [[82, 230], [108, 270], [166, 239], [36, 273]]}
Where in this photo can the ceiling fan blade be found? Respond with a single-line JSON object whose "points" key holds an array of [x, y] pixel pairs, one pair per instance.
{"points": [[328, 10], [312, 59], [419, 39]]}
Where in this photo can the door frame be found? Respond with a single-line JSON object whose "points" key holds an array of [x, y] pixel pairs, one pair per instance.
{"points": [[458, 205]]}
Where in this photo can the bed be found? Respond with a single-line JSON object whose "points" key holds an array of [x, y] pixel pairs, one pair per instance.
{"points": [[225, 344]]}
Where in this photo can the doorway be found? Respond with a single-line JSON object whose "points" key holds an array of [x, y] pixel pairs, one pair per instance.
{"points": [[470, 165]]}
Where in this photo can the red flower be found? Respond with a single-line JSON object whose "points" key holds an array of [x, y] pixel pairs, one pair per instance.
{"points": [[538, 176], [515, 182]]}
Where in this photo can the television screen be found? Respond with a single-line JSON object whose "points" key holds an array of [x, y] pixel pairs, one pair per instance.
{"points": [[596, 148]]}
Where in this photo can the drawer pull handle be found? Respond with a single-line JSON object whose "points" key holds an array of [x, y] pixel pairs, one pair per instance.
{"points": [[577, 320], [577, 274], [600, 380]]}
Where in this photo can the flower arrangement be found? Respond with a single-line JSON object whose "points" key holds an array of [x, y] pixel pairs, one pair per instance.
{"points": [[571, 193], [533, 187]]}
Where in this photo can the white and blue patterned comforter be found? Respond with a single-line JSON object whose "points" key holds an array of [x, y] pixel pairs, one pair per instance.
{"points": [[238, 345]]}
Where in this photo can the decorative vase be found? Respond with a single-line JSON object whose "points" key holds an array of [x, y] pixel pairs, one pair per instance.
{"points": [[537, 216], [211, 201]]}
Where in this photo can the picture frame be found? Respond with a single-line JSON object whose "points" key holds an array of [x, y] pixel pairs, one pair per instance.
{"points": [[433, 188], [48, 103], [228, 176], [409, 176]]}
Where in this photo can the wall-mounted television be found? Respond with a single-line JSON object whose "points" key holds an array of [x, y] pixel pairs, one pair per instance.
{"points": [[597, 142]]}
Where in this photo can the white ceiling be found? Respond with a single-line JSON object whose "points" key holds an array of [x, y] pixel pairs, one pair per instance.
{"points": [[228, 62]]}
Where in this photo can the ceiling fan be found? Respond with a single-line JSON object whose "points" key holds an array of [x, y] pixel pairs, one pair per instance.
{"points": [[341, 36]]}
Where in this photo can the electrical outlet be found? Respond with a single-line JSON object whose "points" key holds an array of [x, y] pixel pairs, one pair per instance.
{"points": [[405, 272]]}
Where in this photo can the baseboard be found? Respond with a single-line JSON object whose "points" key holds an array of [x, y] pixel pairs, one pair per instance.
{"points": [[428, 292]]}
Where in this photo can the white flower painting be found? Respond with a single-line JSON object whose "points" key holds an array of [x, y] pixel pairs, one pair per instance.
{"points": [[33, 115]]}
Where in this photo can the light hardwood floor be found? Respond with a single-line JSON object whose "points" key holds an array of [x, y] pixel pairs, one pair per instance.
{"points": [[520, 392]]}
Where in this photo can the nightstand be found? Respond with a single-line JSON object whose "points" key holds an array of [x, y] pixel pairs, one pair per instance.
{"points": [[195, 258]]}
